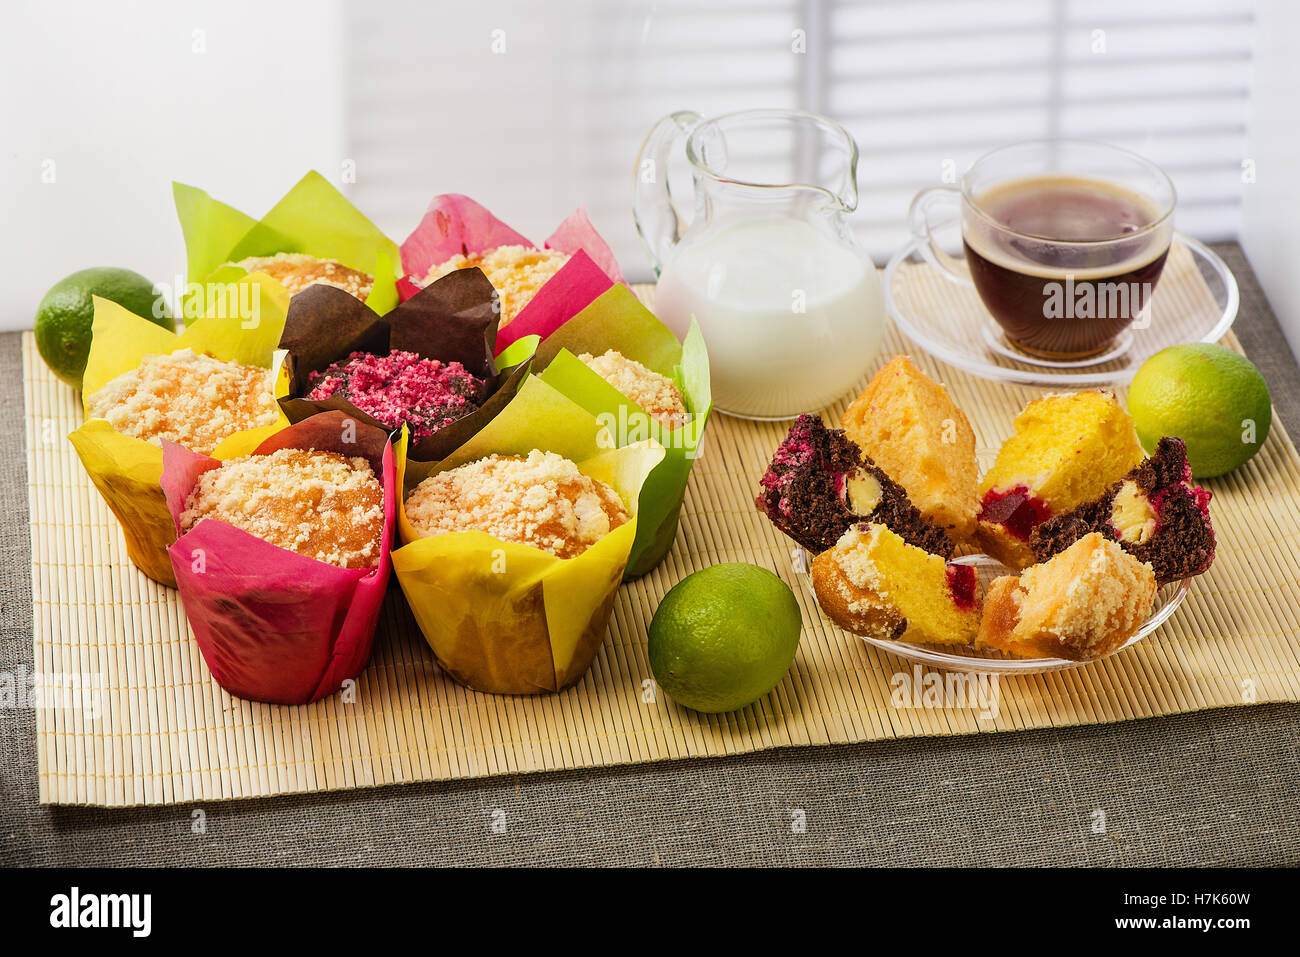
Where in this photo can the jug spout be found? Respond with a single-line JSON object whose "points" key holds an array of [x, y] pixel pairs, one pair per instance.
{"points": [[656, 216]]}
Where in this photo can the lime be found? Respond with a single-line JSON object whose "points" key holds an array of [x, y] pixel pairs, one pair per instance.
{"points": [[724, 636], [1212, 398], [65, 315]]}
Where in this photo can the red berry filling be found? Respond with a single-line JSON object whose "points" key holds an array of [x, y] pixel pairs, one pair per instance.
{"points": [[1017, 511], [961, 582]]}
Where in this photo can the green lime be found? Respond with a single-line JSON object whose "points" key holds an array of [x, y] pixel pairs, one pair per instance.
{"points": [[724, 636], [65, 315], [1212, 398]]}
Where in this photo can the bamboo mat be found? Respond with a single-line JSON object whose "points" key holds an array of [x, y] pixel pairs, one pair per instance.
{"points": [[159, 730]]}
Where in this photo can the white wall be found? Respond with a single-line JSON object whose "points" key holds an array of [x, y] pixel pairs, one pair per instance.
{"points": [[238, 97], [1271, 218]]}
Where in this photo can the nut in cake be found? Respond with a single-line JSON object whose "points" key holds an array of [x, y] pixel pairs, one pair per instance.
{"points": [[1154, 512], [819, 483]]}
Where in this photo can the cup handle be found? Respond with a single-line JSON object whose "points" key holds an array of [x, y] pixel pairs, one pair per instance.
{"points": [[657, 220], [919, 215]]}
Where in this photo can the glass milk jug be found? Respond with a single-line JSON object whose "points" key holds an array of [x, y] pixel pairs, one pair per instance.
{"points": [[789, 306]]}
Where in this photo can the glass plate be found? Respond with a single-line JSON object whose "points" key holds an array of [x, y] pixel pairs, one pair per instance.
{"points": [[962, 658], [1195, 300]]}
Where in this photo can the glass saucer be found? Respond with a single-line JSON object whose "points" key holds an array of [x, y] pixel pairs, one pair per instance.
{"points": [[963, 658], [1195, 300]]}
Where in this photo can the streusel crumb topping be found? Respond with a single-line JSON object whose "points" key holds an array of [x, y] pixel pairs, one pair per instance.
{"points": [[516, 273], [542, 501], [655, 393], [319, 504], [188, 398], [297, 271]]}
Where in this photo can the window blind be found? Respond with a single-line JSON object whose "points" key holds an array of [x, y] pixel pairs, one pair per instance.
{"points": [[537, 108]]}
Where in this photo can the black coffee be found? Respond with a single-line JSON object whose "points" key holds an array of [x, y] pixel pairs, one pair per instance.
{"points": [[1065, 283]]}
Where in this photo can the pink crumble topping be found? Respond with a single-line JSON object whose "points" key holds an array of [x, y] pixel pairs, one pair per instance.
{"points": [[425, 394]]}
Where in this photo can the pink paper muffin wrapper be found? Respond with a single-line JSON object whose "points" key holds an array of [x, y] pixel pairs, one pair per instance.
{"points": [[455, 224], [273, 625]]}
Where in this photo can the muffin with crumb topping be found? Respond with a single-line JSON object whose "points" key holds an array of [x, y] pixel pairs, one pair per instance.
{"points": [[296, 271], [516, 272], [282, 556], [188, 398], [402, 388], [657, 394], [1080, 604], [322, 505], [541, 500]]}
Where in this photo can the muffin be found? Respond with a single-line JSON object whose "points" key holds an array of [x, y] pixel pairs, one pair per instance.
{"points": [[187, 398], [322, 505], [657, 394], [402, 388], [1154, 512], [541, 500], [1066, 450], [819, 483], [873, 583], [910, 427], [516, 272], [297, 271], [1081, 604]]}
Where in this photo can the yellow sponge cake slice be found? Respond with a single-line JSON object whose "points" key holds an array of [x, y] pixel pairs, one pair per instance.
{"points": [[1081, 604], [1067, 449], [873, 583], [909, 426]]}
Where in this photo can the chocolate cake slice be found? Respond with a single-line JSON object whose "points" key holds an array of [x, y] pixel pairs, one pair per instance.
{"points": [[819, 483], [1154, 513]]}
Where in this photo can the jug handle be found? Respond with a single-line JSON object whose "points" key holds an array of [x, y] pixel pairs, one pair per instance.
{"points": [[657, 220], [948, 266]]}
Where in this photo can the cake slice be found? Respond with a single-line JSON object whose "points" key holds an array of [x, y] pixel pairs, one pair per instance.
{"points": [[909, 426], [1067, 449], [1154, 512], [1081, 604], [873, 583], [819, 483]]}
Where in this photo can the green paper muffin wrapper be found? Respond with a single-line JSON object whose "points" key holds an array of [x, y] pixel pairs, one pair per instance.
{"points": [[312, 218], [508, 618], [617, 320], [452, 320], [126, 470]]}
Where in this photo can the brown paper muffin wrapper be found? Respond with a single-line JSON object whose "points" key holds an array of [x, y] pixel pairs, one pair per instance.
{"points": [[452, 320], [126, 470], [507, 618]]}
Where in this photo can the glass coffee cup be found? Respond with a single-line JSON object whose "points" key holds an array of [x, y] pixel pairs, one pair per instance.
{"points": [[1064, 241]]}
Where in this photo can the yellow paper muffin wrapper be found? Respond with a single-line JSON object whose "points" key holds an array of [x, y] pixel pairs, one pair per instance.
{"points": [[507, 618], [312, 218], [126, 470]]}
